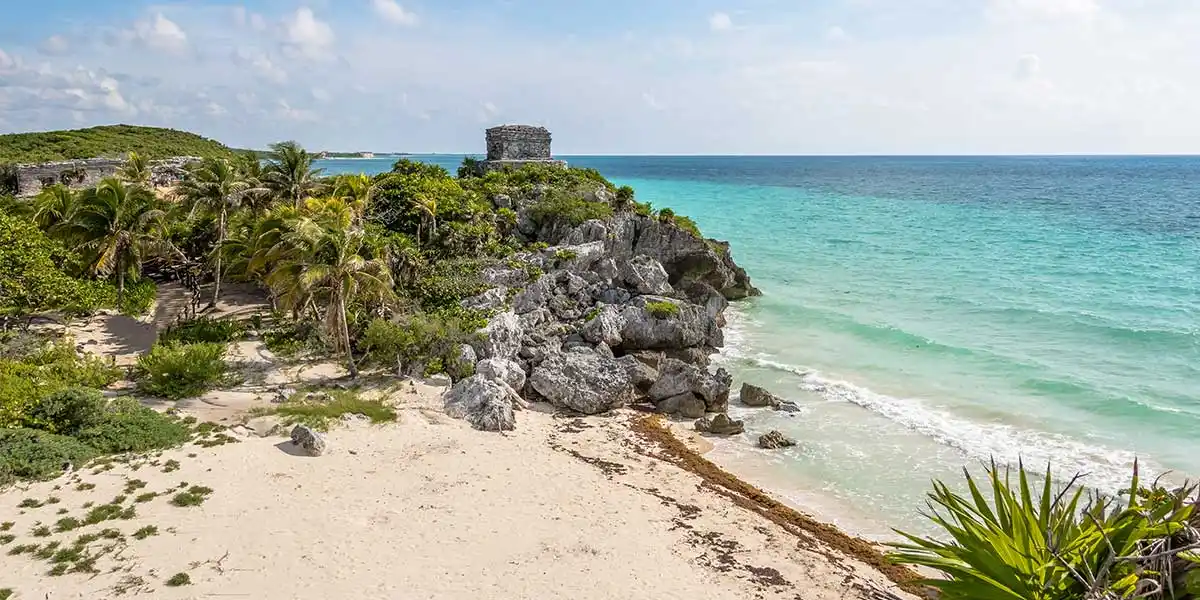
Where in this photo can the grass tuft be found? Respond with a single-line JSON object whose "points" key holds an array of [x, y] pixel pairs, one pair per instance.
{"points": [[179, 579], [145, 532], [194, 496]]}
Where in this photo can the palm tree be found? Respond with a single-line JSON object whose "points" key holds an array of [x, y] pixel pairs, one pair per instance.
{"points": [[135, 170], [118, 226], [357, 191], [290, 174], [53, 206], [215, 186], [332, 265], [427, 205]]}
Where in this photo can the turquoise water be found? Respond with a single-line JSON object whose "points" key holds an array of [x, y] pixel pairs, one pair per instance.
{"points": [[931, 313]]}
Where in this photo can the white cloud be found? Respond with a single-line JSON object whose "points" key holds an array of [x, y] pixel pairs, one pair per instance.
{"points": [[651, 102], [720, 21], [5, 61], [321, 95], [216, 110], [836, 34], [1028, 66], [286, 111], [308, 34], [261, 64], [390, 10], [54, 45], [160, 33]]}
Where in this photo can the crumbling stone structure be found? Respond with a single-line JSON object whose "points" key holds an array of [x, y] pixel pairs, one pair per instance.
{"points": [[517, 145], [84, 173]]}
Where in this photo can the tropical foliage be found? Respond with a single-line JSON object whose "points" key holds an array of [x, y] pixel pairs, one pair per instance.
{"points": [[1033, 540], [151, 143]]}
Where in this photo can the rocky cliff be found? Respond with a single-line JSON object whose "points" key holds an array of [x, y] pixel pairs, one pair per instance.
{"points": [[613, 311]]}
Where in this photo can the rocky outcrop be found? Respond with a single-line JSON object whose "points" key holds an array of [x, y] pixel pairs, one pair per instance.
{"points": [[752, 395], [676, 378], [311, 442], [774, 440], [609, 312], [720, 424], [584, 382]]}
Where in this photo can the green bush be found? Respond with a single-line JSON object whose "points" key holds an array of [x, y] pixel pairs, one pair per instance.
{"points": [[319, 414], [178, 371], [139, 297], [565, 254], [203, 330], [106, 140], [48, 369], [419, 337], [565, 207], [127, 426], [662, 310], [287, 338], [67, 411], [1040, 543], [35, 454], [444, 284]]}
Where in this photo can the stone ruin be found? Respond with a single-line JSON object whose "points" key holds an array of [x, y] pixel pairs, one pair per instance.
{"points": [[84, 173], [518, 145]]}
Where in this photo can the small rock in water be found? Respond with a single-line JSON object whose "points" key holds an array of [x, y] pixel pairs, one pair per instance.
{"points": [[752, 395], [787, 406], [773, 440], [312, 442], [720, 424]]}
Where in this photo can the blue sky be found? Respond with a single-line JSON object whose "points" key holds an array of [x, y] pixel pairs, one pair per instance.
{"points": [[620, 76]]}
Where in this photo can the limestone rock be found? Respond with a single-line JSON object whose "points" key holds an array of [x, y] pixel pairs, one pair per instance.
{"points": [[584, 382], [646, 276], [502, 369], [720, 424], [640, 373], [489, 300], [486, 404], [752, 395], [589, 231], [310, 441], [688, 328], [788, 406], [774, 440], [463, 363], [690, 406], [501, 337], [676, 377], [605, 327]]}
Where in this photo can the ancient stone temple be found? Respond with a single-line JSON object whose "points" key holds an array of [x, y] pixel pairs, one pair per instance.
{"points": [[517, 145]]}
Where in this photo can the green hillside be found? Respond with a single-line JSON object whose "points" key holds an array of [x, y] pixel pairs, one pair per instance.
{"points": [[106, 141]]}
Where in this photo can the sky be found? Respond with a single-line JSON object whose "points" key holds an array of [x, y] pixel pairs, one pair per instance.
{"points": [[619, 76]]}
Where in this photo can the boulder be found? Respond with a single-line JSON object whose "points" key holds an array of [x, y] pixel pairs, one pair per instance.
{"points": [[676, 377], [689, 327], [605, 327], [774, 440], [604, 350], [697, 355], [489, 300], [606, 269], [584, 382], [688, 258], [690, 407], [720, 424], [503, 369], [668, 406], [589, 231], [575, 257], [788, 406], [485, 403], [752, 395], [534, 296], [640, 373], [645, 275], [502, 337], [308, 440], [649, 358]]}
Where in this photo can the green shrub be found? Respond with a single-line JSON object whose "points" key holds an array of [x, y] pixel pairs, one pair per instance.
{"points": [[139, 297], [444, 284], [624, 199], [34, 454], [418, 337], [288, 338], [179, 579], [662, 310], [130, 427], [203, 330], [565, 254], [1040, 543], [688, 225], [178, 371], [67, 411], [568, 208], [46, 370]]}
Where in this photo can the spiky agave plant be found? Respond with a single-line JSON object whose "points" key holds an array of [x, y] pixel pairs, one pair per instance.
{"points": [[1049, 546]]}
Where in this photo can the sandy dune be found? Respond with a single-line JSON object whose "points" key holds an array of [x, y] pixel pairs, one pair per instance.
{"points": [[429, 508]]}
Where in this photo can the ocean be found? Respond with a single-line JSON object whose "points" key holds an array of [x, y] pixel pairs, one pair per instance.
{"points": [[935, 313]]}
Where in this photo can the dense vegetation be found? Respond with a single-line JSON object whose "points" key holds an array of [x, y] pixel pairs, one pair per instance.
{"points": [[107, 141], [1048, 542]]}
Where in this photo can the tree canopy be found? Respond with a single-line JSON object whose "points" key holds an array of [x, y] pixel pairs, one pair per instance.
{"points": [[150, 143]]}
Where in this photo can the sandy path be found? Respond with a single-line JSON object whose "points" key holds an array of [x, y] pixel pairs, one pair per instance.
{"points": [[429, 508]]}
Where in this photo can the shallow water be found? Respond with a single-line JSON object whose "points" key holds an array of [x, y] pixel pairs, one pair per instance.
{"points": [[931, 313]]}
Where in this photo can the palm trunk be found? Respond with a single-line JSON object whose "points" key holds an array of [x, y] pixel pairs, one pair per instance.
{"points": [[120, 284], [220, 244], [345, 332]]}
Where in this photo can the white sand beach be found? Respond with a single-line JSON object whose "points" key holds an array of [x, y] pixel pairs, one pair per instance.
{"points": [[429, 508]]}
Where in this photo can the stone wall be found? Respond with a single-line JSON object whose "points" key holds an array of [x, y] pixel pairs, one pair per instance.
{"points": [[84, 173], [518, 142]]}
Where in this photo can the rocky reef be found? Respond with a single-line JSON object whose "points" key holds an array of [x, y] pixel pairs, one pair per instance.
{"points": [[625, 309]]}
